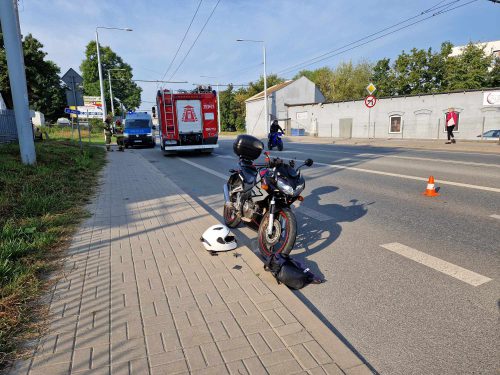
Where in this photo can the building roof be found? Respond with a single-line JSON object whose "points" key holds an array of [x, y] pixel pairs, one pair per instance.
{"points": [[486, 89], [270, 90]]}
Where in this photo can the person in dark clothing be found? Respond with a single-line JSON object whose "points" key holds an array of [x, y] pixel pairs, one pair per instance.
{"points": [[275, 127]]}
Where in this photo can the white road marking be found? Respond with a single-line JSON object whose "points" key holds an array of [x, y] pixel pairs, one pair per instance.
{"points": [[437, 264], [381, 156], [313, 213], [292, 151], [306, 211], [495, 216], [225, 156], [443, 182], [418, 150], [208, 170]]}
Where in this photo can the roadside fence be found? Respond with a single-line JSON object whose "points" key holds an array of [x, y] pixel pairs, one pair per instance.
{"points": [[8, 129]]}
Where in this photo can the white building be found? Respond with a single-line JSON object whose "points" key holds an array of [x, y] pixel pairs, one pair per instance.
{"points": [[279, 96], [491, 48], [408, 117]]}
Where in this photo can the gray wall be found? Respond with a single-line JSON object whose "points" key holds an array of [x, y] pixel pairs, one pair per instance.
{"points": [[422, 116], [299, 91]]}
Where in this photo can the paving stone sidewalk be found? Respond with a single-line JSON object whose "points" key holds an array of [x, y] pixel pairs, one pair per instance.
{"points": [[140, 295]]}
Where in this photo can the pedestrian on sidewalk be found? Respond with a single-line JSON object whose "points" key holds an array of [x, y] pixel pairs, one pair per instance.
{"points": [[451, 122], [108, 132], [120, 137]]}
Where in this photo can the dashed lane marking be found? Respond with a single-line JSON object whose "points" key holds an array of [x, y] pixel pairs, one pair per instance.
{"points": [[495, 216], [437, 264], [208, 170]]}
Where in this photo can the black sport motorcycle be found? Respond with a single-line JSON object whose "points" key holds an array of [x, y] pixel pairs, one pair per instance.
{"points": [[262, 194]]}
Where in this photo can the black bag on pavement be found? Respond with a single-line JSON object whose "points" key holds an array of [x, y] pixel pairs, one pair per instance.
{"points": [[289, 272]]}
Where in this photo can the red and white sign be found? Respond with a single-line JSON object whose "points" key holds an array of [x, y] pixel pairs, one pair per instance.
{"points": [[189, 115], [370, 101]]}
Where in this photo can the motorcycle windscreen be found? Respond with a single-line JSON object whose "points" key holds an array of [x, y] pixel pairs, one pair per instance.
{"points": [[189, 116]]}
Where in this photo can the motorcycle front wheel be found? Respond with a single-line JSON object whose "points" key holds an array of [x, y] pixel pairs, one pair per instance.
{"points": [[231, 217], [283, 235]]}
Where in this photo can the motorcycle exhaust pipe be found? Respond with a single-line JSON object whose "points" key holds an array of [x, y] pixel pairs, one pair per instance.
{"points": [[226, 194]]}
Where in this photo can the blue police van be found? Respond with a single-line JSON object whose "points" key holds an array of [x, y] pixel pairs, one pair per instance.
{"points": [[138, 130]]}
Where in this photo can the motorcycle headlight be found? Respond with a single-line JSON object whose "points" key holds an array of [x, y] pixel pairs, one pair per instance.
{"points": [[299, 188], [284, 187], [149, 134], [125, 134]]}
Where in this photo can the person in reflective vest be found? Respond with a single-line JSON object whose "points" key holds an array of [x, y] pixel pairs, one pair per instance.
{"points": [[108, 132], [120, 137], [451, 123]]}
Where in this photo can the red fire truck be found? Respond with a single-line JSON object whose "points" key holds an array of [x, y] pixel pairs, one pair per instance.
{"points": [[187, 120]]}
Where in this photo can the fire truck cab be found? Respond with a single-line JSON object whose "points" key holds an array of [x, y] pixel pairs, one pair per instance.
{"points": [[187, 120]]}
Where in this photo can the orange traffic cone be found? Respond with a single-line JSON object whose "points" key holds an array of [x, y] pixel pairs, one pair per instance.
{"points": [[431, 189]]}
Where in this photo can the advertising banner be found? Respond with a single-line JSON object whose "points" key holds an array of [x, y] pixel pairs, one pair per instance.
{"points": [[87, 112], [92, 101]]}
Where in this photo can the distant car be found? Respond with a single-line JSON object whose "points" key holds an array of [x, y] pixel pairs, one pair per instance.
{"points": [[63, 121], [491, 134]]}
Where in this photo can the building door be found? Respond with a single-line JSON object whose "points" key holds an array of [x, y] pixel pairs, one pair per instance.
{"points": [[345, 128]]}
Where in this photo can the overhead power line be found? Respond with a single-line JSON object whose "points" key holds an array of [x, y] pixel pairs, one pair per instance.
{"points": [[242, 70], [182, 41], [197, 37], [444, 9], [319, 58]]}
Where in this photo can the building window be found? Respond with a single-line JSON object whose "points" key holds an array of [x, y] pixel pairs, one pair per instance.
{"points": [[395, 124]]}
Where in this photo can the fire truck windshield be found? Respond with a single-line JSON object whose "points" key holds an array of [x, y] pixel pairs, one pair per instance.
{"points": [[137, 124]]}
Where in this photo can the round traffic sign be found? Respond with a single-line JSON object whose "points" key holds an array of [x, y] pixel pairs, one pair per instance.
{"points": [[370, 101]]}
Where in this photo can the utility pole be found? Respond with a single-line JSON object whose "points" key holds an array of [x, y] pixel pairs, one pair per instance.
{"points": [[9, 19], [73, 87], [101, 84]]}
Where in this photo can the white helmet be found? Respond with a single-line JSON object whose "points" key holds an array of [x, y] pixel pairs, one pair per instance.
{"points": [[218, 238]]}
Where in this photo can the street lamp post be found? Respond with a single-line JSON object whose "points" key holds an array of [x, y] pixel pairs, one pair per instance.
{"points": [[218, 104], [101, 83], [111, 89], [17, 77], [265, 78]]}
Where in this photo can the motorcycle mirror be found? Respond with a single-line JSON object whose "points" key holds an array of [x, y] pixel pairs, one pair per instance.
{"points": [[308, 162]]}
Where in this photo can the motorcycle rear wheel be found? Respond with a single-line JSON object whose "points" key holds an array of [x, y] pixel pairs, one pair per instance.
{"points": [[283, 236]]}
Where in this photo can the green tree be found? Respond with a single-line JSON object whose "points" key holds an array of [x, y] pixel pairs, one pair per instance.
{"points": [[45, 92], [494, 75], [383, 78], [258, 86], [351, 80], [123, 87], [469, 70], [228, 111]]}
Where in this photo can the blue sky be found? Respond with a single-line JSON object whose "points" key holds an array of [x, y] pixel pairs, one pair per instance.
{"points": [[294, 31]]}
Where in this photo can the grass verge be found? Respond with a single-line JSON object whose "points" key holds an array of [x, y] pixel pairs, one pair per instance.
{"points": [[40, 208]]}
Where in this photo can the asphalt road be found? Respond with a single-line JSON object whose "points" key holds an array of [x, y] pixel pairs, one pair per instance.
{"points": [[427, 301]]}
